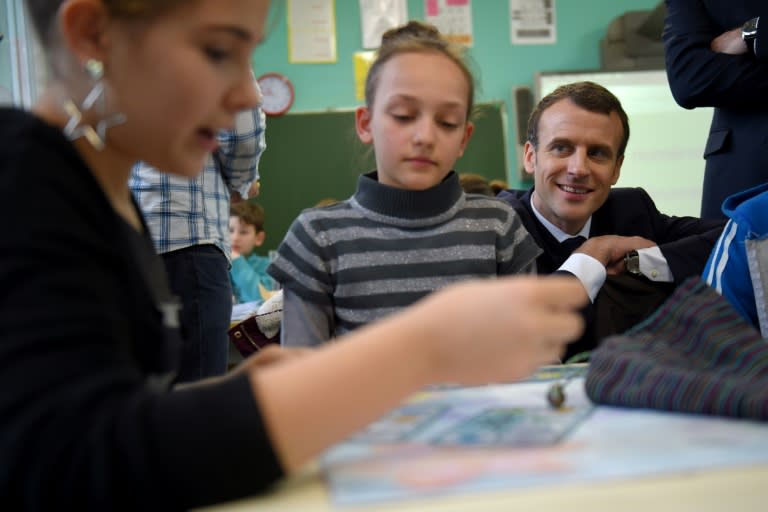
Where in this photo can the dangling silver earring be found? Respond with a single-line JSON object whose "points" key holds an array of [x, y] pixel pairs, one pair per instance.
{"points": [[94, 101]]}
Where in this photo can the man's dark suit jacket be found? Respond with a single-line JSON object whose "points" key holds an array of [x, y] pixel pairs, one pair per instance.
{"points": [[737, 147], [685, 242]]}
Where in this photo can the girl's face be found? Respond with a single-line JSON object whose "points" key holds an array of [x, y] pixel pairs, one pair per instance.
{"points": [[418, 122], [181, 78]]}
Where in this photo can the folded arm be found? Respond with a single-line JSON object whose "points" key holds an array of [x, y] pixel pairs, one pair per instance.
{"points": [[700, 76]]}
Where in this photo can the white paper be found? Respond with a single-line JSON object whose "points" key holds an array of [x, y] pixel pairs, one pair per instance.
{"points": [[311, 31], [378, 16], [532, 21], [452, 17]]}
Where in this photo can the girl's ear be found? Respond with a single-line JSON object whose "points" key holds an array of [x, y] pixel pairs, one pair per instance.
{"points": [[84, 28], [363, 125], [467, 135]]}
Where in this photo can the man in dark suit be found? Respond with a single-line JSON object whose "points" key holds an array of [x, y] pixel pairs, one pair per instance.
{"points": [[576, 141], [717, 56]]}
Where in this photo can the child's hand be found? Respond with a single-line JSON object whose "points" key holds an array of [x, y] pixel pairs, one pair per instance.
{"points": [[499, 330]]}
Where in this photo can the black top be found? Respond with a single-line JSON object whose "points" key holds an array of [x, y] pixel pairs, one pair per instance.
{"points": [[87, 351]]}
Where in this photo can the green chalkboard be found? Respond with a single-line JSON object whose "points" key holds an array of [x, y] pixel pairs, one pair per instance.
{"points": [[316, 155]]}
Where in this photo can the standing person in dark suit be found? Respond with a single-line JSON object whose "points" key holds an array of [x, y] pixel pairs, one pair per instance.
{"points": [[717, 56], [576, 141]]}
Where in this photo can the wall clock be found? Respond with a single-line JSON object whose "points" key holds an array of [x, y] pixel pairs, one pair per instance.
{"points": [[277, 92]]}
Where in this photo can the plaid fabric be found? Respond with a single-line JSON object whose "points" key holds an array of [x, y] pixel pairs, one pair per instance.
{"points": [[182, 212], [694, 354]]}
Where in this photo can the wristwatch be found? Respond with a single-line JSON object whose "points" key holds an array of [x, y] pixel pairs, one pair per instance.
{"points": [[632, 262], [749, 33]]}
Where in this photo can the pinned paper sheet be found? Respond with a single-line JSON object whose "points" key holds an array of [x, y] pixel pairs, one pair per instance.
{"points": [[452, 17], [378, 16], [311, 31], [532, 21], [363, 61]]}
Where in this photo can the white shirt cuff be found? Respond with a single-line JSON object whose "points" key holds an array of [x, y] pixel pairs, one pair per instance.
{"points": [[590, 272], [654, 266]]}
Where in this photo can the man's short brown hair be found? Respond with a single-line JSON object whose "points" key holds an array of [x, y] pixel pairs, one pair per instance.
{"points": [[587, 95]]}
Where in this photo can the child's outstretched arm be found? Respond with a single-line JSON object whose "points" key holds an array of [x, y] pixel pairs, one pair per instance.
{"points": [[470, 333]]}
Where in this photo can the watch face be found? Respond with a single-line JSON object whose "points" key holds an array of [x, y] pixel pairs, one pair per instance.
{"points": [[277, 93], [632, 262], [749, 29]]}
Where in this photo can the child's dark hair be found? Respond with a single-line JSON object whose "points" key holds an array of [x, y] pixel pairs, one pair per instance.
{"points": [[250, 213], [416, 36], [475, 184]]}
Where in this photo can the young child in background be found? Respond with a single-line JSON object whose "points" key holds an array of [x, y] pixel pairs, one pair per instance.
{"points": [[249, 270], [475, 184], [497, 186], [409, 229]]}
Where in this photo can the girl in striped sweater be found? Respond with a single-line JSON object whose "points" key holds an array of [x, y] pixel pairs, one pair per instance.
{"points": [[409, 229]]}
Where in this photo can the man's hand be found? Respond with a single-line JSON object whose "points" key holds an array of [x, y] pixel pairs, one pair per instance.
{"points": [[729, 42], [611, 249]]}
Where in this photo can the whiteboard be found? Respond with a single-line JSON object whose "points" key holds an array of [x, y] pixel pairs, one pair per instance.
{"points": [[666, 142]]}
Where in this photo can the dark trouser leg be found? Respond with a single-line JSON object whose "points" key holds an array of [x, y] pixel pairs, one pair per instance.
{"points": [[199, 276]]}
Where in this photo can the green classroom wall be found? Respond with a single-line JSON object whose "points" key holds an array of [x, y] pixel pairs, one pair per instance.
{"points": [[499, 66]]}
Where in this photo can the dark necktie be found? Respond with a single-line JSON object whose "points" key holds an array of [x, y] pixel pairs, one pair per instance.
{"points": [[571, 244]]}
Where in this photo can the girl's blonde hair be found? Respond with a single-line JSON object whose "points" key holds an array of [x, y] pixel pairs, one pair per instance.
{"points": [[412, 37]]}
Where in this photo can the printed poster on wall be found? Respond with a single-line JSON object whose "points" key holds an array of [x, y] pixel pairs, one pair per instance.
{"points": [[378, 16], [452, 17], [532, 21], [311, 31], [362, 63]]}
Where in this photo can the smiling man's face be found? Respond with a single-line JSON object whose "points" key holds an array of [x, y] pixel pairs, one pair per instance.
{"points": [[576, 163]]}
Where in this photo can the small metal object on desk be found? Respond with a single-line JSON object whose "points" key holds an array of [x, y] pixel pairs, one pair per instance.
{"points": [[556, 392], [556, 395]]}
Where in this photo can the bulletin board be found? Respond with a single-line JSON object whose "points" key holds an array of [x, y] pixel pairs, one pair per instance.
{"points": [[316, 155]]}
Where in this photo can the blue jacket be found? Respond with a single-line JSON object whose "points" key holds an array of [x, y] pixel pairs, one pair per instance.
{"points": [[728, 267], [247, 273]]}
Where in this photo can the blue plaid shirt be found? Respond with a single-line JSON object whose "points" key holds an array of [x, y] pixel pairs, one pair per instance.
{"points": [[183, 212]]}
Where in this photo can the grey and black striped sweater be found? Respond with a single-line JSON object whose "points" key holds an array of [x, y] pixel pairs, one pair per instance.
{"points": [[384, 248]]}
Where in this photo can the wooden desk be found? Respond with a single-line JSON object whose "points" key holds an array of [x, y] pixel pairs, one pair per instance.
{"points": [[616, 459], [735, 490]]}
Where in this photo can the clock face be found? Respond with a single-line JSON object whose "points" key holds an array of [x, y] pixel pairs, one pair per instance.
{"points": [[277, 93]]}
